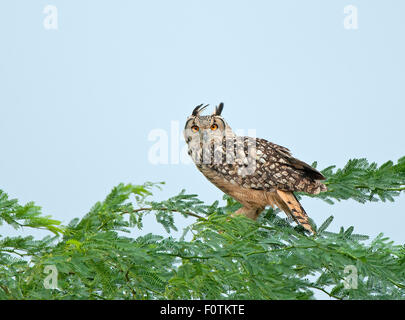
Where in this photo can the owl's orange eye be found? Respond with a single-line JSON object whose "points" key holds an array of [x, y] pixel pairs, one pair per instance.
{"points": [[195, 128], [214, 127]]}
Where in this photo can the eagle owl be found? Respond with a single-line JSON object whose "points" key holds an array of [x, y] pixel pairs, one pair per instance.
{"points": [[253, 171]]}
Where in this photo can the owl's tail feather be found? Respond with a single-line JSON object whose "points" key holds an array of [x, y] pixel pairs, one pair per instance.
{"points": [[287, 202]]}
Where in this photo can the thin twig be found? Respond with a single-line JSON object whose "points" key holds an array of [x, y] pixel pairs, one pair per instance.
{"points": [[189, 213], [383, 189], [324, 291]]}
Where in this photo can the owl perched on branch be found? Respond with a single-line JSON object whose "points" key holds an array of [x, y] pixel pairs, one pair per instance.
{"points": [[253, 171]]}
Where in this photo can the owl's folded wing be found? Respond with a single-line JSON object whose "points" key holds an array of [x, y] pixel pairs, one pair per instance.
{"points": [[269, 167]]}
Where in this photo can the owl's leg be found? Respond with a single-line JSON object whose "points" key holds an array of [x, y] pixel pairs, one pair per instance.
{"points": [[250, 212]]}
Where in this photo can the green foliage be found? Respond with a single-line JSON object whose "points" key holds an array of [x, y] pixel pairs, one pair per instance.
{"points": [[362, 181], [225, 257]]}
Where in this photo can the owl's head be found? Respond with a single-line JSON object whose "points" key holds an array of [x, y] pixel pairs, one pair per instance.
{"points": [[209, 128]]}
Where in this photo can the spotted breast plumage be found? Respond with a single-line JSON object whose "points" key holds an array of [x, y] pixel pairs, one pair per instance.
{"points": [[253, 171]]}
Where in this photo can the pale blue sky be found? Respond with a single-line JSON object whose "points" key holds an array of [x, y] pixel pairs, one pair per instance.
{"points": [[77, 104]]}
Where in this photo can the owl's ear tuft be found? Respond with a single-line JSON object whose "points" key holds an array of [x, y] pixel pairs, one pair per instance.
{"points": [[218, 109], [198, 109]]}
